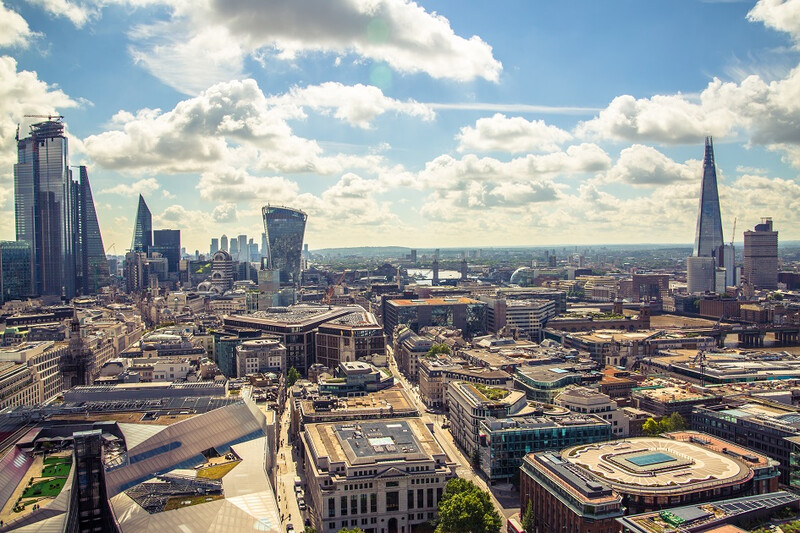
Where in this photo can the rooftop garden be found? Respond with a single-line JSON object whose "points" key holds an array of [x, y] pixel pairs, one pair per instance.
{"points": [[491, 393], [47, 485]]}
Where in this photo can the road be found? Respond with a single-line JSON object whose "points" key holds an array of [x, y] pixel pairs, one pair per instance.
{"points": [[506, 503], [288, 468]]}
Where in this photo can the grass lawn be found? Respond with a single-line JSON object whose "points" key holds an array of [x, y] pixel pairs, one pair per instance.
{"points": [[178, 502], [57, 460], [217, 471], [47, 488], [56, 470]]}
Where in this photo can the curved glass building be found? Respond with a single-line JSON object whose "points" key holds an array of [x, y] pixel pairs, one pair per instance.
{"points": [[285, 228]]}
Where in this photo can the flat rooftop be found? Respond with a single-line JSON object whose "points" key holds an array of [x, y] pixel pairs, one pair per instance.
{"points": [[673, 394], [361, 443], [450, 300], [297, 314], [683, 463], [393, 397]]}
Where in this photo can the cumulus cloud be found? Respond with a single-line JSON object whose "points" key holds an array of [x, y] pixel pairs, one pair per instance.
{"points": [[641, 165], [500, 133], [781, 15], [358, 104], [14, 30], [237, 185], [21, 93], [224, 213], [207, 41], [144, 187]]}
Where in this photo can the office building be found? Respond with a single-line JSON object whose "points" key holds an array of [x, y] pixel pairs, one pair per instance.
{"points": [[223, 243], [43, 207], [462, 313], [408, 348], [89, 509], [234, 249], [708, 238], [29, 373], [15, 270], [214, 246], [700, 274], [91, 265], [583, 400], [436, 374], [588, 486], [349, 338], [244, 249], [167, 242], [142, 228], [259, 356], [761, 256], [506, 441], [285, 228], [524, 318], [221, 271], [380, 476]]}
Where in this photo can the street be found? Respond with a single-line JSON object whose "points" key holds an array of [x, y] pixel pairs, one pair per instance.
{"points": [[506, 503], [287, 470]]}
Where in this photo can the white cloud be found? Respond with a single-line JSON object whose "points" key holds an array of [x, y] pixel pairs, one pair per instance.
{"points": [[77, 13], [21, 93], [357, 104], [206, 41], [14, 30], [224, 213], [144, 187], [781, 15], [513, 135], [641, 165]]}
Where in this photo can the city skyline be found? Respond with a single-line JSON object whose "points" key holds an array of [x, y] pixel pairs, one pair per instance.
{"points": [[528, 125]]}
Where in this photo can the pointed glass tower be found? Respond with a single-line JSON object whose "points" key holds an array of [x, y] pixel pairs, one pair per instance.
{"points": [[91, 263], [709, 220], [142, 229]]}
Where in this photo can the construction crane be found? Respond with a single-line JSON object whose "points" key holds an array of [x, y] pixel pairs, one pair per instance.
{"points": [[48, 117], [329, 292]]}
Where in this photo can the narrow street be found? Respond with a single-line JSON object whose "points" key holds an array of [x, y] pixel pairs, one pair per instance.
{"points": [[506, 504], [287, 470]]}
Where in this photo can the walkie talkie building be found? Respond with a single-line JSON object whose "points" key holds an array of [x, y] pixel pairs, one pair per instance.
{"points": [[285, 228]]}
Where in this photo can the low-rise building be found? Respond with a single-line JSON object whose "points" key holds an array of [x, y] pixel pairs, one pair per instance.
{"points": [[349, 338], [588, 401], [29, 373], [356, 377], [259, 356], [435, 373], [408, 348], [542, 383]]}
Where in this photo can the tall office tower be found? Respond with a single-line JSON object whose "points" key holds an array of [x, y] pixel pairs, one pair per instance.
{"points": [[435, 280], [43, 207], [285, 228], [167, 242], [223, 243], [761, 256], [709, 220], [91, 265], [214, 245], [234, 251], [244, 250], [142, 229], [15, 270], [264, 245]]}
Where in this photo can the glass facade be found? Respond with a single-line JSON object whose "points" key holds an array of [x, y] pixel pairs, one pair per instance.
{"points": [[285, 228], [90, 258], [143, 228], [15, 270], [167, 242], [709, 220], [44, 211]]}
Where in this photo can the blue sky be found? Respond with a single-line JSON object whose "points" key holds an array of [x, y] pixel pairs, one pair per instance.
{"points": [[438, 123]]}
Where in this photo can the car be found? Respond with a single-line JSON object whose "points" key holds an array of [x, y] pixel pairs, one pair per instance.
{"points": [[308, 522], [301, 503], [289, 528]]}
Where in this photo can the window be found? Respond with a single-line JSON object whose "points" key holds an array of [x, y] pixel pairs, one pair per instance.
{"points": [[392, 501], [363, 504], [331, 508], [343, 505], [373, 503], [353, 504], [410, 498]]}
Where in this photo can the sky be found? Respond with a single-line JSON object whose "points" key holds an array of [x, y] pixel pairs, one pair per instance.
{"points": [[438, 123]]}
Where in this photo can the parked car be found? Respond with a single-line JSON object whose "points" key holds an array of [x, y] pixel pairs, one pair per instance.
{"points": [[289, 528], [301, 503]]}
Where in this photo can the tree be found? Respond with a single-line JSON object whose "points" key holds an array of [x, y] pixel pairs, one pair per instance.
{"points": [[465, 508], [475, 458], [437, 349], [309, 529], [527, 519], [292, 376], [651, 427], [674, 422], [351, 530]]}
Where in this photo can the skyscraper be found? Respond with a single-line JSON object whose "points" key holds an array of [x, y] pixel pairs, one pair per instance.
{"points": [[15, 270], [223, 243], [234, 251], [285, 228], [167, 242], [761, 256], [143, 228], [214, 245], [91, 265], [244, 250], [43, 207], [709, 220]]}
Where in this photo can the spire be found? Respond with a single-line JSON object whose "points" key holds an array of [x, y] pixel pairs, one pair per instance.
{"points": [[709, 221]]}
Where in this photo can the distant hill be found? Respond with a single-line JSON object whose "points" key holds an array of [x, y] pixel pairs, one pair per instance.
{"points": [[365, 251]]}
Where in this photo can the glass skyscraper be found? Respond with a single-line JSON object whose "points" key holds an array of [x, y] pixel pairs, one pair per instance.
{"points": [[167, 242], [285, 228], [44, 210], [15, 270], [709, 219], [91, 263], [142, 228]]}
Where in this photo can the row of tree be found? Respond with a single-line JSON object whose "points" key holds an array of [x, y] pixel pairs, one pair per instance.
{"points": [[673, 422]]}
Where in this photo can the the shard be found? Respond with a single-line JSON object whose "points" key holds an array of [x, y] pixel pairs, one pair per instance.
{"points": [[142, 229], [709, 221]]}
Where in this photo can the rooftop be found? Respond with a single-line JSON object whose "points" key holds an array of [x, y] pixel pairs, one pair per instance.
{"points": [[433, 301], [673, 394]]}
